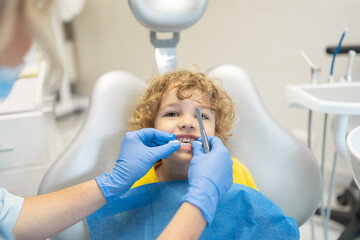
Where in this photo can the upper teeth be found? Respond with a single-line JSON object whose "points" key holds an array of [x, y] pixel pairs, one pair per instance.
{"points": [[186, 140]]}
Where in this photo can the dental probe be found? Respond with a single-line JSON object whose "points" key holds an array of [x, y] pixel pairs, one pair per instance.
{"points": [[202, 131]]}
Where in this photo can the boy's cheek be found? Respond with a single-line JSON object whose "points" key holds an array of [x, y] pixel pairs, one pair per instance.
{"points": [[210, 129]]}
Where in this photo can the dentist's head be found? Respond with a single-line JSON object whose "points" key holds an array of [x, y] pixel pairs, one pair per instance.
{"points": [[21, 23]]}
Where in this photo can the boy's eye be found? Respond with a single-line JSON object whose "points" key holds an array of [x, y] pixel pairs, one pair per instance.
{"points": [[203, 116], [171, 114]]}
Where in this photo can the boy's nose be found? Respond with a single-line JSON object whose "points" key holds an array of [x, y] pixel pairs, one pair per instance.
{"points": [[187, 123]]}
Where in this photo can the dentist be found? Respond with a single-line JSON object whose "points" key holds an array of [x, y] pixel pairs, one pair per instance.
{"points": [[40, 217]]}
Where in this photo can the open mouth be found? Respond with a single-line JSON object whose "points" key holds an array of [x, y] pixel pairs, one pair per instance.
{"points": [[185, 140]]}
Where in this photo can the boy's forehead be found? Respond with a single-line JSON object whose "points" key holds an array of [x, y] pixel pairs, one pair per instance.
{"points": [[170, 98]]}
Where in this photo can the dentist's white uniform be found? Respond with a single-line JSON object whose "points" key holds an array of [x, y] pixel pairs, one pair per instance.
{"points": [[10, 207]]}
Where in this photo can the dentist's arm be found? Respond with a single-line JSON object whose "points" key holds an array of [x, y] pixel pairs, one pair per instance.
{"points": [[210, 177], [46, 215], [188, 223]]}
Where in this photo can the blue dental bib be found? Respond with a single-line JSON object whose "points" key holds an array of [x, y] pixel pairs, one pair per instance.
{"points": [[144, 212]]}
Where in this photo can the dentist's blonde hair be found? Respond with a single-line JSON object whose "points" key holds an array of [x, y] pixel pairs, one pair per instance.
{"points": [[34, 14]]}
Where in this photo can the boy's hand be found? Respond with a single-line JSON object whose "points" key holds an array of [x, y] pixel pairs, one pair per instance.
{"points": [[210, 177], [139, 151]]}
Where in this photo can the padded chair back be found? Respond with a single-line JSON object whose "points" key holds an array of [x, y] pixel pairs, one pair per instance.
{"points": [[283, 168], [95, 148], [353, 145]]}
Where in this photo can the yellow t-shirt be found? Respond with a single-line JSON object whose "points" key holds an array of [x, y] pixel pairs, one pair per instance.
{"points": [[241, 175]]}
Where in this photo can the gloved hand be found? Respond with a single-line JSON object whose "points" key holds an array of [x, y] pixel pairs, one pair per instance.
{"points": [[210, 176], [139, 151]]}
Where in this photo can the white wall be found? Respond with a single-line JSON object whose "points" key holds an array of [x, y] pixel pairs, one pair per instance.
{"points": [[264, 37]]}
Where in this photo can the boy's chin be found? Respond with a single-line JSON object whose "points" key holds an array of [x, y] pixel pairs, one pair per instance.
{"points": [[181, 156]]}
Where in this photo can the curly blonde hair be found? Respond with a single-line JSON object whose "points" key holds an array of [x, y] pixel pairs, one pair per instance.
{"points": [[218, 100]]}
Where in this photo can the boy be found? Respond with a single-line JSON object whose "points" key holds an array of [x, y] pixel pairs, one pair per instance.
{"points": [[169, 105]]}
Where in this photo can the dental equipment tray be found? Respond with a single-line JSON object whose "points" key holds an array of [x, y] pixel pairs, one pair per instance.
{"points": [[334, 98]]}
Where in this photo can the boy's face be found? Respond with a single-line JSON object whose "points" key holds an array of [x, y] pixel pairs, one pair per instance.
{"points": [[178, 117]]}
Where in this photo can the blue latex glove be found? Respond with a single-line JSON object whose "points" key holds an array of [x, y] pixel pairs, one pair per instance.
{"points": [[210, 176], [139, 151]]}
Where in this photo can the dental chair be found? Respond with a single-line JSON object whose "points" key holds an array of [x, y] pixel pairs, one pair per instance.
{"points": [[283, 168]]}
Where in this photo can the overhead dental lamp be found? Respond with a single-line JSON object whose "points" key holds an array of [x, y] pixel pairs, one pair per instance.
{"points": [[170, 16]]}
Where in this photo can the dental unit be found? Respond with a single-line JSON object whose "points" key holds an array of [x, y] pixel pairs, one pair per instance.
{"points": [[338, 98]]}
